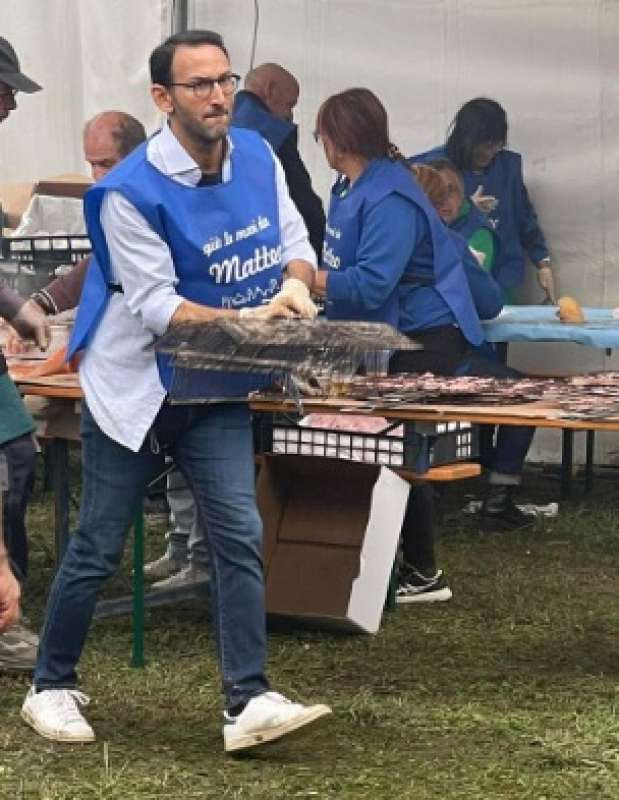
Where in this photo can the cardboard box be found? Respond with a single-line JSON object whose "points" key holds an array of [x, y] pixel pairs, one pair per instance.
{"points": [[14, 199], [331, 531]]}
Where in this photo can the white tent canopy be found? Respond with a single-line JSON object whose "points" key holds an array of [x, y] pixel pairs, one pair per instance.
{"points": [[552, 65]]}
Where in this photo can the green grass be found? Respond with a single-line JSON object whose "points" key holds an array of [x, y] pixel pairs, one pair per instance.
{"points": [[508, 691]]}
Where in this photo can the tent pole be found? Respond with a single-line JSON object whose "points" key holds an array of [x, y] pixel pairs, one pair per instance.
{"points": [[180, 16]]}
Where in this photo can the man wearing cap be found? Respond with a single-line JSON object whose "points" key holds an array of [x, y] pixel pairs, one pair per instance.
{"points": [[17, 451]]}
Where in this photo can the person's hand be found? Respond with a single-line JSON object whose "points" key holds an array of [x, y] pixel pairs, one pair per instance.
{"points": [[479, 256], [31, 323], [15, 345], [9, 595], [295, 296], [267, 311], [546, 279], [484, 202]]}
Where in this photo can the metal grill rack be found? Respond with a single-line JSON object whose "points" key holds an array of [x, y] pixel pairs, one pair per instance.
{"points": [[299, 350]]}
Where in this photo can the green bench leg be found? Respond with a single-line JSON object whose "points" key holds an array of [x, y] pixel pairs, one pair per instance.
{"points": [[137, 659]]}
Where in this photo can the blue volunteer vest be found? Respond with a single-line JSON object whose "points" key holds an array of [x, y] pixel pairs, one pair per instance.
{"points": [[224, 241], [343, 232], [250, 112], [502, 179], [468, 224]]}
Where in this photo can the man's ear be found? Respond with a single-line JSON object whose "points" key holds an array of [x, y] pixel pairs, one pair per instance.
{"points": [[162, 98], [270, 91]]}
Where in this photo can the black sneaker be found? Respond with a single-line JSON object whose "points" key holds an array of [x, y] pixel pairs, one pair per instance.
{"points": [[500, 513], [416, 588]]}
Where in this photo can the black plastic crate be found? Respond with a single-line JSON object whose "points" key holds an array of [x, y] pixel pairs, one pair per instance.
{"points": [[28, 263], [44, 251], [410, 445]]}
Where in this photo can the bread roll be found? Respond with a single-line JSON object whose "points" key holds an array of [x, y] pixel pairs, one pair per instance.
{"points": [[570, 310]]}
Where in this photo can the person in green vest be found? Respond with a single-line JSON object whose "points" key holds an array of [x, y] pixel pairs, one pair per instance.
{"points": [[17, 449], [463, 216]]}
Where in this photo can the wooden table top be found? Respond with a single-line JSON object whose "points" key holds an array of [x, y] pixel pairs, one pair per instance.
{"points": [[539, 414]]}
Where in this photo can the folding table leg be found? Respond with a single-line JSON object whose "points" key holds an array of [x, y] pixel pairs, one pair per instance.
{"points": [[137, 659], [567, 459], [589, 461]]}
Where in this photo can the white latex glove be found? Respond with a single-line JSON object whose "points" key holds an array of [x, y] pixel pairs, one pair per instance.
{"points": [[546, 279], [267, 311], [31, 323], [480, 257], [484, 202], [295, 295]]}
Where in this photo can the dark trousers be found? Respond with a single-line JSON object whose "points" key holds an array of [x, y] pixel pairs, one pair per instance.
{"points": [[502, 451], [20, 456]]}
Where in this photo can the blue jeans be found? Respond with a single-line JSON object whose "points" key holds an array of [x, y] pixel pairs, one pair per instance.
{"points": [[212, 446], [503, 454]]}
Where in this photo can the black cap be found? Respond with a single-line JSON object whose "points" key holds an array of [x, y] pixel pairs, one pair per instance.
{"points": [[9, 70]]}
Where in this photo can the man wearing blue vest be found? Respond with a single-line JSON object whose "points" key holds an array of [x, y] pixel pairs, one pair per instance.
{"points": [[194, 225], [266, 105]]}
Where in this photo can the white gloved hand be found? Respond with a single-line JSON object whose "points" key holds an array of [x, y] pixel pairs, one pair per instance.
{"points": [[31, 323], [484, 202], [546, 279], [479, 256], [295, 296], [267, 311]]}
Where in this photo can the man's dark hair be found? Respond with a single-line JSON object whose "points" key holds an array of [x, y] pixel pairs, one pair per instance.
{"points": [[160, 61], [356, 122], [479, 120]]}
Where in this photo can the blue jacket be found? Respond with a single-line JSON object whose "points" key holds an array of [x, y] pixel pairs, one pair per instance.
{"points": [[485, 291], [251, 112], [390, 257], [514, 219]]}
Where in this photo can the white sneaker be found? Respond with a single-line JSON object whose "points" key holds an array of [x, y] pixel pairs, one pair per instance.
{"points": [[162, 567], [188, 576], [268, 717], [55, 714]]}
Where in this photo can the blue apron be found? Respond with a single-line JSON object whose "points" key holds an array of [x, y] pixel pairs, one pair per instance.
{"points": [[468, 224], [444, 271], [224, 241], [514, 220]]}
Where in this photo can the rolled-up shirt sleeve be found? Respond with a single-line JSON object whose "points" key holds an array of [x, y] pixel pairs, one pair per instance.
{"points": [[294, 236], [141, 263]]}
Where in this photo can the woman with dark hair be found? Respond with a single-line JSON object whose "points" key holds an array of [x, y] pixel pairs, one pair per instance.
{"points": [[493, 179], [388, 257]]}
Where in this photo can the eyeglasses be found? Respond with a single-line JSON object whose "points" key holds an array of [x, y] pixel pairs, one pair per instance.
{"points": [[202, 88]]}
